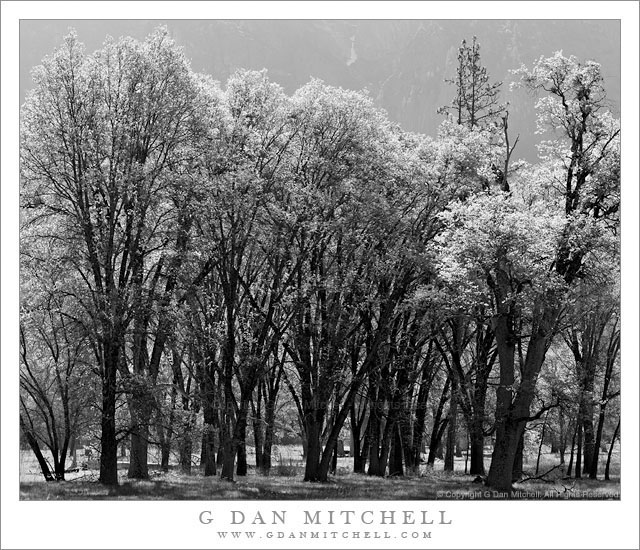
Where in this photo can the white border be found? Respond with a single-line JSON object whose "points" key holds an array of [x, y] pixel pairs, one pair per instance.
{"points": [[174, 524]]}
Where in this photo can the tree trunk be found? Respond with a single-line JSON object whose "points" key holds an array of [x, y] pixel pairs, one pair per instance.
{"points": [[208, 454], [378, 447], [438, 425], [508, 430], [226, 442], [406, 438], [544, 427], [613, 442], [269, 432], [35, 447], [395, 461], [165, 433], [258, 429], [420, 420], [466, 455], [562, 435], [73, 452], [240, 439], [593, 471], [518, 461], [334, 461], [588, 431], [503, 460], [477, 451], [513, 408], [108, 442], [449, 460], [140, 412], [612, 351], [314, 448], [358, 467], [573, 445], [579, 452], [186, 445]]}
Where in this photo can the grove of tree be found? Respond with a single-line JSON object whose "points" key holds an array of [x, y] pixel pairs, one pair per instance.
{"points": [[207, 267]]}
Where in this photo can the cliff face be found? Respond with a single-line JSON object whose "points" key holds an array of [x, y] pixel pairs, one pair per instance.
{"points": [[403, 63]]}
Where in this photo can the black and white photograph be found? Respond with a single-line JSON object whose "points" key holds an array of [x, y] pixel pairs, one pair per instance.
{"points": [[320, 278]]}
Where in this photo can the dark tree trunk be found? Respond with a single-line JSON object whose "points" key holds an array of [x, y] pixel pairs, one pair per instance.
{"points": [[186, 445], [420, 417], [312, 465], [240, 440], [208, 454], [571, 455], [406, 438], [518, 461], [440, 447], [356, 447], [334, 461], [226, 442], [485, 360], [513, 402], [165, 433], [219, 456], [361, 464], [108, 442], [240, 436], [59, 469], [613, 442], [612, 352], [436, 449], [511, 417], [438, 425], [449, 457], [593, 472], [334, 433], [544, 427], [73, 451], [35, 447], [395, 461], [258, 429], [562, 448], [508, 429], [140, 412], [505, 451], [378, 445], [269, 432], [241, 466], [209, 399], [579, 453], [477, 452], [588, 431]]}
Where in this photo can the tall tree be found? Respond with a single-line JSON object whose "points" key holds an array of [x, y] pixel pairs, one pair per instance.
{"points": [[476, 101], [99, 134], [585, 158]]}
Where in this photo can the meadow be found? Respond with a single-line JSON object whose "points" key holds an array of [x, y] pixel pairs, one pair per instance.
{"points": [[285, 482]]}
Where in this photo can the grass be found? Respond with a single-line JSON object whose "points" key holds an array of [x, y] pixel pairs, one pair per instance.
{"points": [[285, 483], [429, 486]]}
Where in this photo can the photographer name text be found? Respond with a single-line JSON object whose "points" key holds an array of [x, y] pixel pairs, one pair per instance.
{"points": [[327, 517]]}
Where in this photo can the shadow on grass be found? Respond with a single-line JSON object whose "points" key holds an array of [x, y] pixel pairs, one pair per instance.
{"points": [[172, 486]]}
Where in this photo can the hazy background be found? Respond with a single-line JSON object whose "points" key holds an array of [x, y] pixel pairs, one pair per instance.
{"points": [[403, 63]]}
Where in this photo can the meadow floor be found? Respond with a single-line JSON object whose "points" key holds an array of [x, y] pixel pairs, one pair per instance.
{"points": [[429, 486], [286, 483]]}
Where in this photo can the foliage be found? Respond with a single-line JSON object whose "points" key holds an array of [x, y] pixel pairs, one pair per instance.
{"points": [[189, 248]]}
